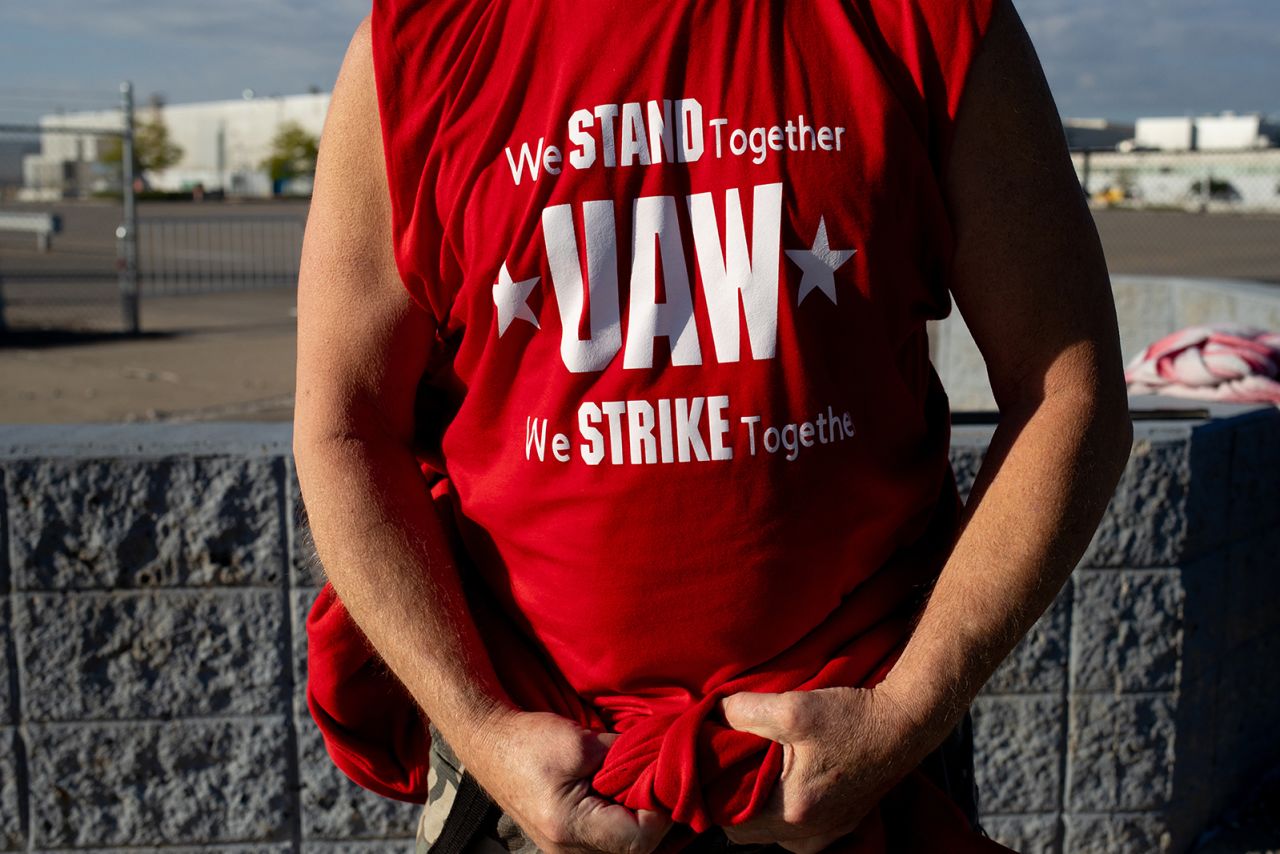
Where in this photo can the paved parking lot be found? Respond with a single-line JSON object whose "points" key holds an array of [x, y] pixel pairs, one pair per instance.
{"points": [[230, 356]]}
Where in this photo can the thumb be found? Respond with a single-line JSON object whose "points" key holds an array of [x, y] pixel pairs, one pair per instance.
{"points": [[591, 754], [757, 713], [653, 827]]}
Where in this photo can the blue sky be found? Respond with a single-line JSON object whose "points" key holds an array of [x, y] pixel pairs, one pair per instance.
{"points": [[1113, 58]]}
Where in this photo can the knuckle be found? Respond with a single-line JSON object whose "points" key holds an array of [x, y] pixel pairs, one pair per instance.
{"points": [[786, 714], [795, 712]]}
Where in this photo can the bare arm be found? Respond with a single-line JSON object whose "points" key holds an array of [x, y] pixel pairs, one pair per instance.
{"points": [[1031, 282], [362, 347]]}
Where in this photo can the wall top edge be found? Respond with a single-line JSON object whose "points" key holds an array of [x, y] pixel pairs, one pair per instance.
{"points": [[1244, 287], [247, 439], [1155, 421]]}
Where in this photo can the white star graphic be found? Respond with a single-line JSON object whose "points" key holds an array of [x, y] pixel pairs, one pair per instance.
{"points": [[819, 264], [511, 298]]}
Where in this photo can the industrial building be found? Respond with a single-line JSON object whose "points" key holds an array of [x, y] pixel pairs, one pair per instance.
{"points": [[1096, 133], [1225, 132], [223, 146], [1227, 161]]}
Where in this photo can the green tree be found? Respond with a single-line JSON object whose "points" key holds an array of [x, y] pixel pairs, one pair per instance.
{"points": [[153, 150], [293, 153]]}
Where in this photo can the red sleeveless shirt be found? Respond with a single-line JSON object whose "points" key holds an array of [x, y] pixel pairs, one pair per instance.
{"points": [[678, 258]]}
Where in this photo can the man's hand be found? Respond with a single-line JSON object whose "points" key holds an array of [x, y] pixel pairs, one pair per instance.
{"points": [[363, 348], [842, 748], [538, 767]]}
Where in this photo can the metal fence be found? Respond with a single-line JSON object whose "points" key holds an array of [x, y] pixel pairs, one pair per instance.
{"points": [[183, 249], [1196, 214], [75, 253], [1187, 214], [206, 255], [1197, 181]]}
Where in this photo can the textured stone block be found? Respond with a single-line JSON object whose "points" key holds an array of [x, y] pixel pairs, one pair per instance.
{"points": [[1205, 624], [1196, 797], [1039, 833], [304, 566], [1255, 475], [7, 700], [147, 784], [966, 459], [1120, 752], [1248, 694], [1253, 588], [1038, 664], [157, 654], [1127, 630], [300, 601], [1018, 745], [374, 846], [268, 848], [120, 523], [1171, 503], [10, 785], [5, 576], [1134, 833], [335, 808]]}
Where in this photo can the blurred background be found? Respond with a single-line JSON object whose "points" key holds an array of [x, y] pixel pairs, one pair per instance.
{"points": [[177, 304], [155, 164]]}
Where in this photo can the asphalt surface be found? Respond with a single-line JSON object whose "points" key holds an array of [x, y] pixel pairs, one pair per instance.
{"points": [[224, 350], [229, 354]]}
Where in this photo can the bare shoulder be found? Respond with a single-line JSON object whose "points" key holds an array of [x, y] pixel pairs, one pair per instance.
{"points": [[1030, 277], [361, 342], [350, 146]]}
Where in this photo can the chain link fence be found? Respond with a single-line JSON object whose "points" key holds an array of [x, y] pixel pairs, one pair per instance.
{"points": [[79, 251], [183, 249], [208, 254], [1195, 214]]}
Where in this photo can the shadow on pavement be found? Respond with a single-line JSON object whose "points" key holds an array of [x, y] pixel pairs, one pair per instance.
{"points": [[39, 338]]}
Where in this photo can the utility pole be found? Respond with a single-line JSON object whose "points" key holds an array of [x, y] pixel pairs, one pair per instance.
{"points": [[127, 233]]}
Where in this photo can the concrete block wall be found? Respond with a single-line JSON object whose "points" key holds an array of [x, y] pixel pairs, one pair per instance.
{"points": [[152, 651], [1146, 696], [153, 663], [1147, 309]]}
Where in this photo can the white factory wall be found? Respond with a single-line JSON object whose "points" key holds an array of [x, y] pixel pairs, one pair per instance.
{"points": [[223, 146], [1177, 179], [1165, 134]]}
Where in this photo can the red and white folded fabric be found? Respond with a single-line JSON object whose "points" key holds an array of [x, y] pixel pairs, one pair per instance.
{"points": [[1225, 362]]}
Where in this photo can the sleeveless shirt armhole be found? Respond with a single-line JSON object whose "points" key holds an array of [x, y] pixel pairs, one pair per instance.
{"points": [[956, 52], [398, 122]]}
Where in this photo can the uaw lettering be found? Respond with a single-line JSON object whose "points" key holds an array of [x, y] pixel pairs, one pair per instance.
{"points": [[667, 131], [737, 284], [741, 287], [740, 278]]}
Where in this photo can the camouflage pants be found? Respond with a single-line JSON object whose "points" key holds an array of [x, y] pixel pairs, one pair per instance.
{"points": [[950, 767], [444, 778]]}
